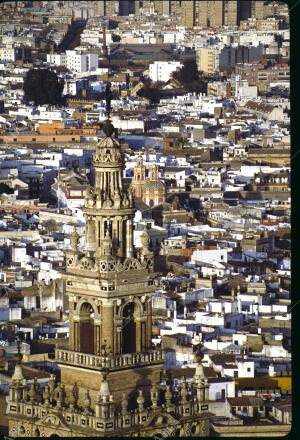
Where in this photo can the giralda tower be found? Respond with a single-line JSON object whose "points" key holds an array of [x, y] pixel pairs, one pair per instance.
{"points": [[110, 377]]}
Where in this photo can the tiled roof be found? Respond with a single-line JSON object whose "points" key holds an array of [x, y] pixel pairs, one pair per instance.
{"points": [[258, 106], [245, 401]]}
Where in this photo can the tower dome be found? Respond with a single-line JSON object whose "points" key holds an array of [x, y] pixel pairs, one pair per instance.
{"points": [[154, 190]]}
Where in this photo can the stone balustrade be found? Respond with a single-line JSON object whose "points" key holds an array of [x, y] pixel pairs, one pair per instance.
{"points": [[113, 362], [137, 419]]}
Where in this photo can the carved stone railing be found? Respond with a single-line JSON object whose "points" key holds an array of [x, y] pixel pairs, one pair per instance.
{"points": [[112, 362]]}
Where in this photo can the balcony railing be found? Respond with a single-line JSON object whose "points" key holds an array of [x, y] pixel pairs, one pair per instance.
{"points": [[112, 362]]}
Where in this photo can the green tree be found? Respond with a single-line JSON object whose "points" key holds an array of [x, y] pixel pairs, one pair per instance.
{"points": [[189, 77], [188, 72], [150, 93], [181, 142], [43, 87], [5, 189]]}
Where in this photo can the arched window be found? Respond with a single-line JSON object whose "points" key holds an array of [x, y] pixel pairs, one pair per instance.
{"points": [[86, 328], [130, 313]]}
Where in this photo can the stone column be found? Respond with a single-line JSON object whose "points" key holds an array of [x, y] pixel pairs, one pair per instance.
{"points": [[120, 230], [108, 323], [138, 335], [97, 324], [148, 324], [76, 335], [90, 235], [97, 236], [129, 249]]}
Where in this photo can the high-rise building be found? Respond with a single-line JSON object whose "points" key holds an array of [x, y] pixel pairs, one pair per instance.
{"points": [[188, 18], [165, 7], [231, 12], [99, 8], [148, 6], [214, 13], [257, 9], [112, 381], [112, 7]]}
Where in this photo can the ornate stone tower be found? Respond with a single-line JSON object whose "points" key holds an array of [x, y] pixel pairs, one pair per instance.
{"points": [[109, 285], [111, 378]]}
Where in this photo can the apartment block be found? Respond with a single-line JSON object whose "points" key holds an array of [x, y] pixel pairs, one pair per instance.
{"points": [[162, 70], [74, 60], [207, 60]]}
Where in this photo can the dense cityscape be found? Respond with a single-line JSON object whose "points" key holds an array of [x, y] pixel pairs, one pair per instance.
{"points": [[145, 235]]}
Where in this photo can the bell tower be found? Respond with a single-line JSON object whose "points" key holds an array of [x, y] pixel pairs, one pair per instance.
{"points": [[110, 284], [139, 176], [111, 380]]}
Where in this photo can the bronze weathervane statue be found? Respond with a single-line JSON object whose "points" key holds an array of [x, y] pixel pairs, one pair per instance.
{"points": [[108, 98]]}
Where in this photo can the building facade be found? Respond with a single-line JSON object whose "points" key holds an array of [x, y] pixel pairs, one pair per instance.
{"points": [[74, 60], [162, 70], [207, 60]]}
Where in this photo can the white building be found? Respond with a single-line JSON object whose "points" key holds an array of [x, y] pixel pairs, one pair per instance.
{"points": [[220, 388], [162, 70], [7, 54], [74, 60], [210, 256]]}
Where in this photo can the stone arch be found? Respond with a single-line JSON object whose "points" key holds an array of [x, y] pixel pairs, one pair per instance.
{"points": [[86, 327], [130, 313], [92, 302], [132, 300]]}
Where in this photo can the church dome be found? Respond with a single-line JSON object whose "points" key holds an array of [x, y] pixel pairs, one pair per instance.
{"points": [[108, 142], [153, 185]]}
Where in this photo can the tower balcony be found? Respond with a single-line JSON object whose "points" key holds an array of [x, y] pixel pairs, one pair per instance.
{"points": [[96, 362]]}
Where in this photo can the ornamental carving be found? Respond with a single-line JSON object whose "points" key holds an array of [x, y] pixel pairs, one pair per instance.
{"points": [[74, 239], [113, 265], [131, 263], [70, 261], [90, 197], [86, 263], [108, 155]]}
